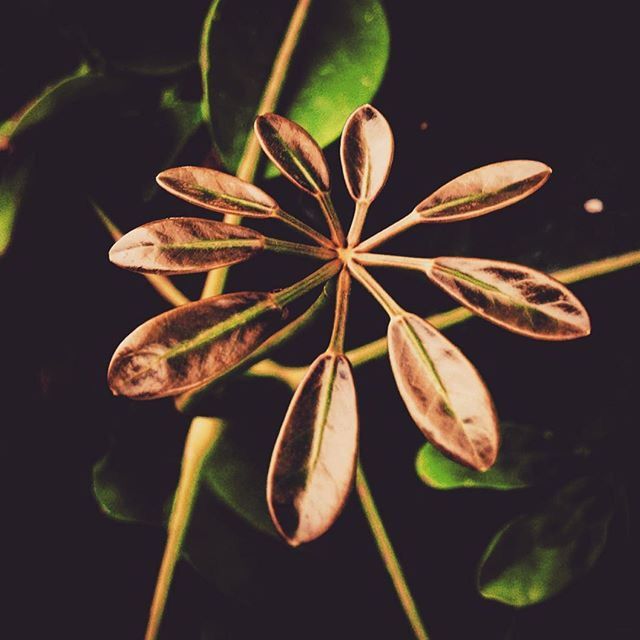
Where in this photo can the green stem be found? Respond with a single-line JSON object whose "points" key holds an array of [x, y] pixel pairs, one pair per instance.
{"points": [[336, 344], [359, 216], [388, 555], [300, 226], [389, 232], [295, 248], [578, 273], [313, 280], [399, 262], [375, 289], [216, 279], [202, 435], [329, 211]]}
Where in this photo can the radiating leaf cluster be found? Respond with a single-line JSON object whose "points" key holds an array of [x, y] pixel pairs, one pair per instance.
{"points": [[190, 348]]}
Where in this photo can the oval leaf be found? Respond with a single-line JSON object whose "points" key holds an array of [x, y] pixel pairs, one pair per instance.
{"points": [[337, 65], [294, 152], [512, 296], [483, 190], [538, 555], [313, 462], [217, 191], [366, 151], [193, 344], [527, 456], [184, 245], [443, 392]]}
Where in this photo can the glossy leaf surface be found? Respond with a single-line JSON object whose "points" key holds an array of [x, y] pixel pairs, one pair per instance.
{"points": [[193, 344], [515, 297], [313, 462], [366, 151], [13, 185], [536, 556], [217, 191], [527, 456], [184, 245], [294, 152], [483, 190], [337, 65], [443, 392]]}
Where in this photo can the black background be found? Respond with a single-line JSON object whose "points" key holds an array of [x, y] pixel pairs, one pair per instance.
{"points": [[492, 82]]}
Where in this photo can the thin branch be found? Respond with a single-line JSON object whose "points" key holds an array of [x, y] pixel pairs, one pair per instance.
{"points": [[336, 344], [388, 555]]}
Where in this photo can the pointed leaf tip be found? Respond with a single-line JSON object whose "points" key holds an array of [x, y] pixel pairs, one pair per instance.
{"points": [[512, 296], [443, 392], [184, 245], [366, 151], [217, 191], [313, 462], [294, 152], [483, 190]]}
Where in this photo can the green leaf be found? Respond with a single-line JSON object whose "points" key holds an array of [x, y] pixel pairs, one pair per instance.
{"points": [[237, 476], [526, 456], [337, 65], [538, 555], [13, 184]]}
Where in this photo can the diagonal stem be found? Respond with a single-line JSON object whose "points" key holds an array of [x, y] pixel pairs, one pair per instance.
{"points": [[336, 344], [388, 555], [249, 162]]}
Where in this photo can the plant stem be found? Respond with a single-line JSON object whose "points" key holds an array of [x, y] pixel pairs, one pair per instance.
{"points": [[393, 230], [296, 248], [388, 554], [216, 279], [298, 289], [162, 285], [329, 211], [375, 289], [578, 273], [336, 344], [300, 226], [399, 262], [359, 216], [202, 435]]}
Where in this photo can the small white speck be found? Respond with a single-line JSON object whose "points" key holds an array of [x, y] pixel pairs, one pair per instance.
{"points": [[594, 205]]}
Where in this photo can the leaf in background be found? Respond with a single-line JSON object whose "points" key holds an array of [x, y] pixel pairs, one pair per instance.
{"points": [[184, 245], [217, 191], [314, 458], [294, 152], [234, 476], [366, 151], [526, 457], [13, 184], [190, 345], [338, 65], [512, 296], [443, 392], [536, 556], [483, 190]]}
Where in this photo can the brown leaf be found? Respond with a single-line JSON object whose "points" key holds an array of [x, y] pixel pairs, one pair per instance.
{"points": [[366, 151], [193, 344], [483, 190], [313, 462], [217, 191], [513, 296], [443, 392], [184, 245], [294, 152]]}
